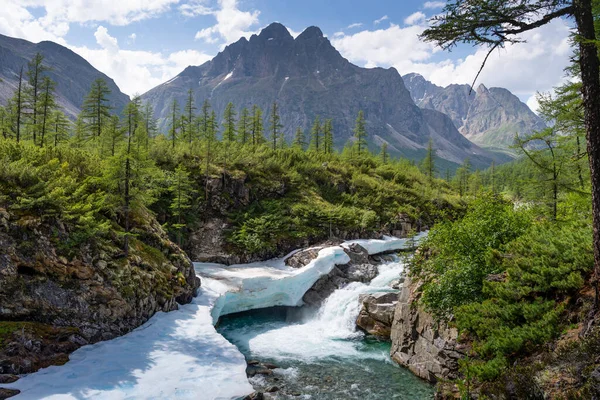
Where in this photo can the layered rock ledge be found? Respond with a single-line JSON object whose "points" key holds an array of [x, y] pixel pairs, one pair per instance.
{"points": [[426, 347], [377, 313]]}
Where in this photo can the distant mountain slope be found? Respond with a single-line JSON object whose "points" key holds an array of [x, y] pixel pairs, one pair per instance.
{"points": [[307, 76], [73, 75], [488, 117]]}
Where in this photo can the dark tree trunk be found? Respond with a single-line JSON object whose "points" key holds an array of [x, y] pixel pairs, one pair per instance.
{"points": [[590, 77], [127, 204], [19, 104]]}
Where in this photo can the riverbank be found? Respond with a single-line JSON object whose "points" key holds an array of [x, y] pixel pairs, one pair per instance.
{"points": [[182, 350]]}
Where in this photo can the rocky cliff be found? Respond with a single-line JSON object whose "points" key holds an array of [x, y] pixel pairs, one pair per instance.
{"points": [[307, 77], [427, 348], [73, 75], [52, 302], [489, 117], [377, 313]]}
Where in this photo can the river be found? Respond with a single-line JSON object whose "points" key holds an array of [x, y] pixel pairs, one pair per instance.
{"points": [[180, 355]]}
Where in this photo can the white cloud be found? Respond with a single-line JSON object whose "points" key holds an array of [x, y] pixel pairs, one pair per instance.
{"points": [[105, 40], [415, 18], [195, 8], [232, 23], [385, 47], [434, 4], [523, 68], [59, 13], [380, 20], [355, 25], [17, 21], [136, 71]]}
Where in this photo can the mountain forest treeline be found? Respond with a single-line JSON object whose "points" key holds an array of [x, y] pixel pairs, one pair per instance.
{"points": [[100, 173]]}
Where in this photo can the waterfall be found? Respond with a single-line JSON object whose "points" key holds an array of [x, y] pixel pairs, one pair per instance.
{"points": [[328, 332]]}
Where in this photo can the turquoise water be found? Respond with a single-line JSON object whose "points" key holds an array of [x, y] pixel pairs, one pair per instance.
{"points": [[341, 364]]}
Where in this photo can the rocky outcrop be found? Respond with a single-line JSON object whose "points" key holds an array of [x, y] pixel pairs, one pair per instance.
{"points": [[359, 269], [427, 348], [54, 299], [377, 313]]}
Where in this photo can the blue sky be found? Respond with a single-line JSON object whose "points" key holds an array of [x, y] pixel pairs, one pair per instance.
{"points": [[141, 44]]}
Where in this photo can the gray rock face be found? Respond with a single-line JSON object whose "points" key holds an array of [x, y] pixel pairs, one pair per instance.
{"points": [[94, 295], [359, 269], [73, 75], [488, 117], [377, 313], [303, 257], [307, 77], [427, 348]]}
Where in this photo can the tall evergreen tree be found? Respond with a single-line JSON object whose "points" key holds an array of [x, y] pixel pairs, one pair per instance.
{"points": [[229, 133], [275, 126], [462, 176], [299, 139], [96, 109], [115, 134], [204, 119], [35, 72], [80, 129], [315, 135], [181, 190], [428, 164], [244, 126], [149, 123], [210, 137], [550, 160], [175, 122], [385, 157], [257, 130], [328, 136], [60, 127], [18, 103], [47, 106], [360, 132], [188, 122]]}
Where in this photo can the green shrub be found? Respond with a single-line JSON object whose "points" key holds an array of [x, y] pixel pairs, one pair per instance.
{"points": [[455, 258]]}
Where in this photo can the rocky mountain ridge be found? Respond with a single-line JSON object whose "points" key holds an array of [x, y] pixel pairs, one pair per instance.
{"points": [[488, 117], [307, 77]]}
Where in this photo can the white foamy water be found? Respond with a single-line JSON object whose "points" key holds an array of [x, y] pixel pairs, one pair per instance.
{"points": [[322, 335]]}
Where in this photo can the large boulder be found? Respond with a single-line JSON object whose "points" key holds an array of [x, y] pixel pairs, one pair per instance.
{"points": [[425, 346], [302, 258], [377, 313], [359, 269]]}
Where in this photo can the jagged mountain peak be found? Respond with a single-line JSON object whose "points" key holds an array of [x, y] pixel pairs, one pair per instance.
{"points": [[489, 117], [275, 31], [310, 33], [482, 89], [308, 77]]}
